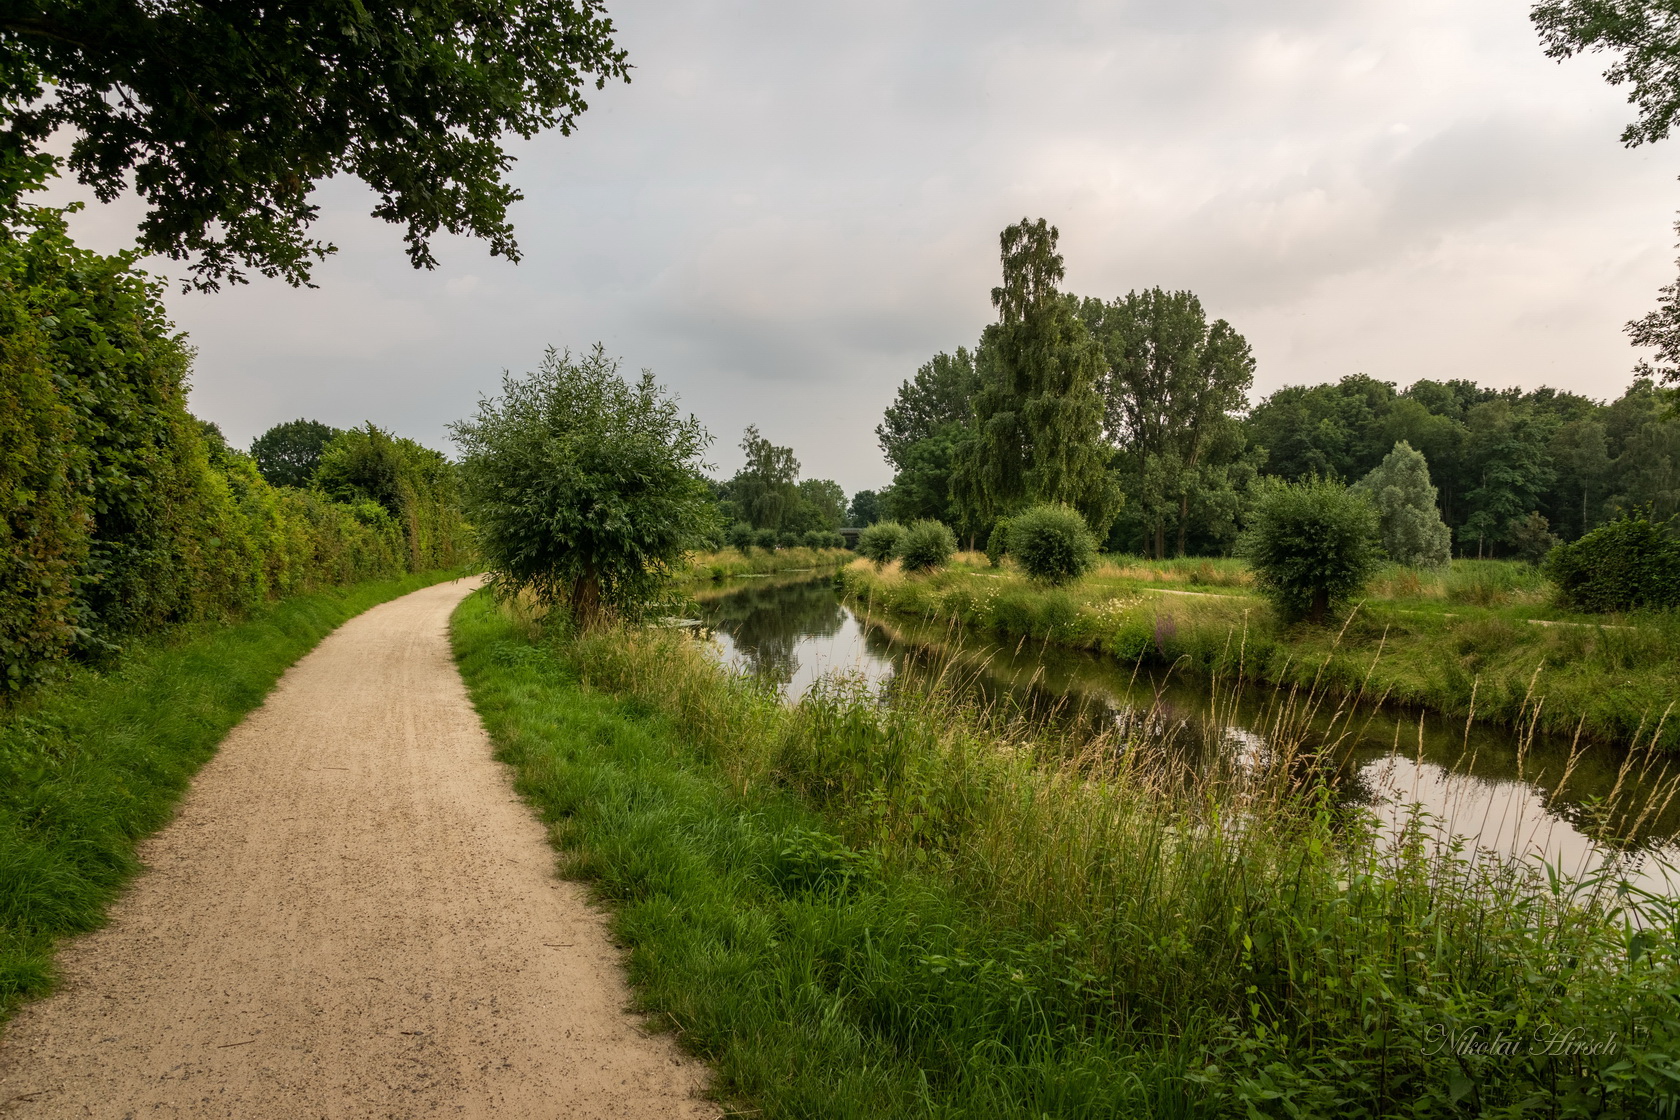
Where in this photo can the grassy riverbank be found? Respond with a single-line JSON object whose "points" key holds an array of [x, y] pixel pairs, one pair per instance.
{"points": [[1479, 640], [95, 762], [856, 910], [730, 562]]}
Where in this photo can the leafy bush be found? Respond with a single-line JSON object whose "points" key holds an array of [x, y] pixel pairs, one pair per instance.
{"points": [[583, 488], [129, 514], [1626, 564], [415, 484], [879, 542], [997, 543], [1531, 537], [925, 545], [1408, 515], [1312, 545], [765, 539], [740, 535], [789, 539], [1052, 544]]}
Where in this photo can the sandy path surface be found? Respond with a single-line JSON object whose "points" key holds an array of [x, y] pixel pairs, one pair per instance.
{"points": [[352, 916]]}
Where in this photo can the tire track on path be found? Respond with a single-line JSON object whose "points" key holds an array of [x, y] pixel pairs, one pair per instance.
{"points": [[352, 915]]}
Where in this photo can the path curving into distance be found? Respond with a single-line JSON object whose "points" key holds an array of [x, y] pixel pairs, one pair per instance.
{"points": [[351, 916]]}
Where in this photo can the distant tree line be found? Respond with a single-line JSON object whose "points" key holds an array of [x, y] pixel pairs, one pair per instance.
{"points": [[767, 504], [1136, 412]]}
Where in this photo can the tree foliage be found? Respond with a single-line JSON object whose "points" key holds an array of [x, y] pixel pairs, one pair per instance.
{"points": [[224, 117], [1052, 544], [1038, 415], [938, 396], [925, 545], [1630, 563], [879, 542], [128, 515], [766, 489], [1644, 37], [1407, 516], [287, 454], [583, 488], [865, 509], [1312, 545], [1174, 388]]}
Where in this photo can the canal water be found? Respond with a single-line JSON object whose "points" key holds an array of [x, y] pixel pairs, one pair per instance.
{"points": [[1574, 805]]}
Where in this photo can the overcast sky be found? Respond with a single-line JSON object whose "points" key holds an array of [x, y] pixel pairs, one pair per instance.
{"points": [[793, 205]]}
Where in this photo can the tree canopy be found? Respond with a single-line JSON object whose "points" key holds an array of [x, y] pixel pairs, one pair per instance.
{"points": [[1038, 414], [224, 117], [584, 488], [287, 454], [1408, 518]]}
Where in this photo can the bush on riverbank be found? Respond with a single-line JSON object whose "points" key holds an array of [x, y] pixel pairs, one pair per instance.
{"points": [[925, 545], [863, 910], [1629, 564], [1473, 641], [1051, 544]]}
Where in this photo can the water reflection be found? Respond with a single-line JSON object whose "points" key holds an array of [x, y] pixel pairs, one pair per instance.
{"points": [[1569, 803]]}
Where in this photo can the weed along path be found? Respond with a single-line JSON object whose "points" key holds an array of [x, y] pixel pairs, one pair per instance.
{"points": [[351, 916]]}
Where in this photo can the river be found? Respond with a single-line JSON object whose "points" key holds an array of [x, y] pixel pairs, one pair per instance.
{"points": [[1574, 805]]}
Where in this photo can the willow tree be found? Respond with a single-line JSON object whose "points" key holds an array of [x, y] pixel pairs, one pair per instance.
{"points": [[1038, 415], [584, 489]]}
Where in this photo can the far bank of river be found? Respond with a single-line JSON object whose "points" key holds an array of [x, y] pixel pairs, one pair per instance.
{"points": [[1571, 803]]}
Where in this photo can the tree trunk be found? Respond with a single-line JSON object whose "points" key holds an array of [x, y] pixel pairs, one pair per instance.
{"points": [[1183, 520], [1160, 539], [1320, 606], [586, 601]]}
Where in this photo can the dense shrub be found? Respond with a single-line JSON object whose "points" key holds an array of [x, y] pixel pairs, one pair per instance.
{"points": [[127, 514], [1627, 564], [925, 545], [1052, 544], [997, 544], [415, 484], [789, 539], [1312, 545], [879, 542], [584, 489], [765, 539], [740, 535]]}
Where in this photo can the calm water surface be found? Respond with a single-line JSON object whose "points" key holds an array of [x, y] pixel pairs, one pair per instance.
{"points": [[1546, 798]]}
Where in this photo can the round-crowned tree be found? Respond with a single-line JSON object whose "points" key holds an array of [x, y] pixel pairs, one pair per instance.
{"points": [[1407, 514], [1312, 545], [997, 544], [740, 535], [926, 545], [879, 542], [765, 539], [287, 454], [1052, 544], [584, 489]]}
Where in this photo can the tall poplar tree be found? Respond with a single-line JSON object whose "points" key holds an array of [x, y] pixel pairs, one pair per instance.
{"points": [[1038, 416]]}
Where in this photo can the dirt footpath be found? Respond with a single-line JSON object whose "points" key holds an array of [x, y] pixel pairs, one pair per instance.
{"points": [[352, 916]]}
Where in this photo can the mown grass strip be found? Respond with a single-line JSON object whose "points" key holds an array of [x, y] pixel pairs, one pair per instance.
{"points": [[96, 762]]}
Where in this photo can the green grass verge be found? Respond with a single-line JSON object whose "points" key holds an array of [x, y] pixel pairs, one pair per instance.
{"points": [[861, 911], [1481, 639], [96, 761]]}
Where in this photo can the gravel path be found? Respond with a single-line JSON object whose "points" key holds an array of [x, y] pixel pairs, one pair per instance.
{"points": [[351, 916]]}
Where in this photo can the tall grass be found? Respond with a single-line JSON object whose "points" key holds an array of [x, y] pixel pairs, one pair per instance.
{"points": [[93, 766], [730, 562], [1463, 644], [917, 908]]}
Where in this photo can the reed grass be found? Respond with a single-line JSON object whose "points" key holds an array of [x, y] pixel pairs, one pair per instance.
{"points": [[915, 907], [730, 562], [1473, 638]]}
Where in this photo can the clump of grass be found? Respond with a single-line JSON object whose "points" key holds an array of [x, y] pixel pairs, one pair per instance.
{"points": [[857, 908], [92, 767]]}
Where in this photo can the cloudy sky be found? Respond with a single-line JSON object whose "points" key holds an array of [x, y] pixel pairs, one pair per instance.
{"points": [[792, 206]]}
